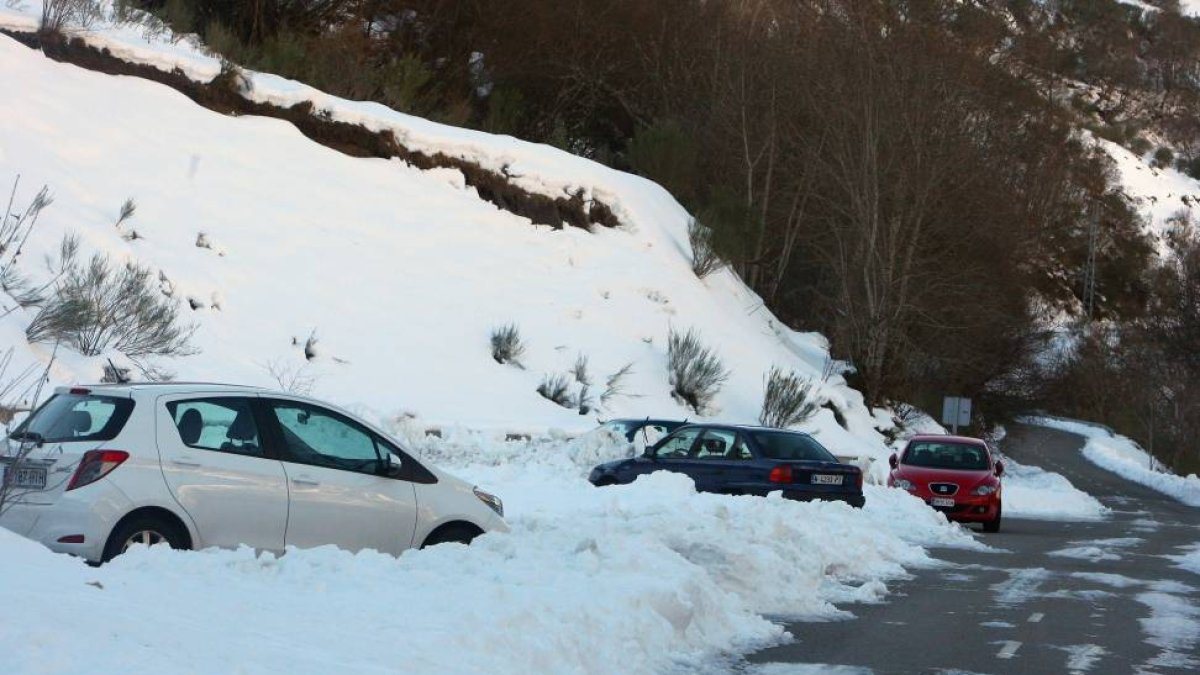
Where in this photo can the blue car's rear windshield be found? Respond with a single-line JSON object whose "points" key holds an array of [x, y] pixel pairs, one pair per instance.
{"points": [[620, 426], [935, 455], [787, 446]]}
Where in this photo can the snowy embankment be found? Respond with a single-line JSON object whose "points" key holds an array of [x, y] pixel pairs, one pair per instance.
{"points": [[1127, 459], [641, 578], [1033, 492]]}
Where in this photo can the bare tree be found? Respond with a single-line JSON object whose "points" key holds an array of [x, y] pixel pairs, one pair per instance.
{"points": [[16, 456], [290, 377]]}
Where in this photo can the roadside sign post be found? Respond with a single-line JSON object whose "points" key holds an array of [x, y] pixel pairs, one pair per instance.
{"points": [[956, 412]]}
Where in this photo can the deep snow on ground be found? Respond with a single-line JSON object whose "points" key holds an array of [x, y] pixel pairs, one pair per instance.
{"points": [[1125, 458], [639, 578]]}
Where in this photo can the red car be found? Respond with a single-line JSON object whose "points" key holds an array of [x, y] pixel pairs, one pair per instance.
{"points": [[954, 474]]}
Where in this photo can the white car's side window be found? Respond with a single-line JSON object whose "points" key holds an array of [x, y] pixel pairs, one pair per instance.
{"points": [[312, 435], [224, 424]]}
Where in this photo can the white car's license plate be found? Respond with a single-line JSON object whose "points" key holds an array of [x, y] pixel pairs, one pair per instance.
{"points": [[941, 501], [25, 478], [826, 479]]}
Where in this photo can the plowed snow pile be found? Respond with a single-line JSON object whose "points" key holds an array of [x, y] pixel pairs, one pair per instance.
{"points": [[633, 579]]}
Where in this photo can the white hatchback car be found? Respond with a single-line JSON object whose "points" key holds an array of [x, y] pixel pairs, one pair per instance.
{"points": [[199, 465]]}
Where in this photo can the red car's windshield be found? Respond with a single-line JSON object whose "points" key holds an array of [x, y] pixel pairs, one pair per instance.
{"points": [[936, 455]]}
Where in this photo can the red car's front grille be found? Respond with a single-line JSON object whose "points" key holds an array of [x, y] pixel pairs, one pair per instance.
{"points": [[943, 489]]}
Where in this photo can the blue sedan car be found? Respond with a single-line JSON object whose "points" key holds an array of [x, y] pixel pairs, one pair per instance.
{"points": [[743, 460]]}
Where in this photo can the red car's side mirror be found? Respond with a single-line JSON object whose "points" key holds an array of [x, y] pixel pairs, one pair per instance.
{"points": [[893, 462], [999, 468]]}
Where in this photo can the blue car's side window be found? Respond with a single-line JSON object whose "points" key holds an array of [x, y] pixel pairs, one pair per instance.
{"points": [[678, 445], [716, 444], [741, 451]]}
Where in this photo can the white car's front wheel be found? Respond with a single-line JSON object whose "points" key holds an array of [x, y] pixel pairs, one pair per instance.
{"points": [[460, 533]]}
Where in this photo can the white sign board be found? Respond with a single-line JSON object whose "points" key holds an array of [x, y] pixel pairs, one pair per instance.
{"points": [[956, 412]]}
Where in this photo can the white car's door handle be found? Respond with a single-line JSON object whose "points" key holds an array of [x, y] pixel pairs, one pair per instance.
{"points": [[305, 481], [189, 464]]}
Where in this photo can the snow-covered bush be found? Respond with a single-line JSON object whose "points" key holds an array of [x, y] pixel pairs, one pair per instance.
{"points": [[557, 388], [506, 345], [705, 260], [98, 306], [788, 399], [614, 385], [1164, 157], [695, 371], [580, 371]]}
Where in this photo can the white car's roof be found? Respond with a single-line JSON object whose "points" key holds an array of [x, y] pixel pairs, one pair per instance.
{"points": [[161, 387]]}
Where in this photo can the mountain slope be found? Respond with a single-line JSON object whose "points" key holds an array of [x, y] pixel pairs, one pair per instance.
{"points": [[400, 274]]}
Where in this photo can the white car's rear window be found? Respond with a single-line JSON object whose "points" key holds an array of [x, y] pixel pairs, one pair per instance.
{"points": [[76, 417]]}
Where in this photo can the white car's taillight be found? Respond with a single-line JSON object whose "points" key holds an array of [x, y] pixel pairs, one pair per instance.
{"points": [[96, 464]]}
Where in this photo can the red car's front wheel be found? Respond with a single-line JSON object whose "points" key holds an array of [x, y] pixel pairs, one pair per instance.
{"points": [[993, 525]]}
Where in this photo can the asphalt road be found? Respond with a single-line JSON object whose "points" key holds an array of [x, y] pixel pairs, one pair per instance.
{"points": [[1022, 610]]}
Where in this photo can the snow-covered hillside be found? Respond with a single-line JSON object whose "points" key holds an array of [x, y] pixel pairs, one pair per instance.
{"points": [[1163, 196], [400, 274]]}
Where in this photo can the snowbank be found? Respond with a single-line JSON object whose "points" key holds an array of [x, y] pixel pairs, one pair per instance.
{"points": [[640, 578], [1125, 458], [1033, 492]]}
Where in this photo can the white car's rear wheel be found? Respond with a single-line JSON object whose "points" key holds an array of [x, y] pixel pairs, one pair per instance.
{"points": [[144, 537], [147, 530]]}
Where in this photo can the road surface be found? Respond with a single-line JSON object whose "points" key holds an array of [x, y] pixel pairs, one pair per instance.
{"points": [[1121, 608]]}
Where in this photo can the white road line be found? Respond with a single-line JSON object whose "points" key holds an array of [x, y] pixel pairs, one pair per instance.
{"points": [[1009, 650], [1036, 617]]}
